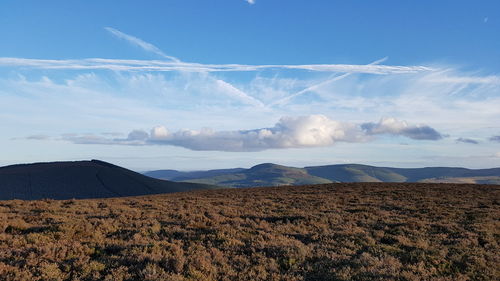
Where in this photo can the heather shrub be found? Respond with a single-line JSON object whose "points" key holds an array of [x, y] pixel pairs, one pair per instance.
{"points": [[360, 231]]}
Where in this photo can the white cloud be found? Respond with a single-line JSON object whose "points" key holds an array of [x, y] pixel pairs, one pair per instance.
{"points": [[137, 135], [138, 92], [395, 127], [289, 132], [159, 133], [251, 2], [149, 97]]}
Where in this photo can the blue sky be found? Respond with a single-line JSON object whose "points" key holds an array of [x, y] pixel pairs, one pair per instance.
{"points": [[212, 84]]}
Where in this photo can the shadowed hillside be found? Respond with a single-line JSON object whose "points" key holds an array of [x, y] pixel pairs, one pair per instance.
{"points": [[356, 173], [80, 179], [365, 173], [343, 231], [175, 175]]}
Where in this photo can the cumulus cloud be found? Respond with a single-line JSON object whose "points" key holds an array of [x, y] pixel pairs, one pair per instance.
{"points": [[288, 132], [393, 126], [495, 138], [112, 134], [466, 140], [137, 135]]}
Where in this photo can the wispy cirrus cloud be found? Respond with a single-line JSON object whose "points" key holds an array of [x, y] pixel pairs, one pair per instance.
{"points": [[175, 64], [232, 91], [138, 93], [140, 43], [318, 85], [289, 132], [491, 79], [226, 87], [164, 66]]}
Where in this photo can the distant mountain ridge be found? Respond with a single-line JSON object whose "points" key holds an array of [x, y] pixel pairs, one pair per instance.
{"points": [[81, 180], [269, 174], [98, 179]]}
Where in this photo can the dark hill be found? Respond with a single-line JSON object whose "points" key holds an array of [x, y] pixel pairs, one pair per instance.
{"points": [[79, 180]]}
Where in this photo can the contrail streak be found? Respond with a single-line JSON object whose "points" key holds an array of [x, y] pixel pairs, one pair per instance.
{"points": [[316, 86]]}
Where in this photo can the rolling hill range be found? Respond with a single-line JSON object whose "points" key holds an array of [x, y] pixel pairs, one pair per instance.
{"points": [[275, 175], [263, 175], [260, 175], [80, 180]]}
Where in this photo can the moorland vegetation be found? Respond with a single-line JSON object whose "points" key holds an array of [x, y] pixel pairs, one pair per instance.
{"points": [[358, 231]]}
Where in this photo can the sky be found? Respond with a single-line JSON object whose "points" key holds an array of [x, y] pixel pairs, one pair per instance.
{"points": [[193, 85]]}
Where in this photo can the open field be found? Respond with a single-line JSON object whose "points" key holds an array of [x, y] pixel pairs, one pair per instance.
{"points": [[359, 231]]}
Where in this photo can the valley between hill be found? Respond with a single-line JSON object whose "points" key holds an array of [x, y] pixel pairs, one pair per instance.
{"points": [[358, 231]]}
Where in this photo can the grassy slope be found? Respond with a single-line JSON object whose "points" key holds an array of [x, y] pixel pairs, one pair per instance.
{"points": [[356, 173], [472, 180], [264, 175], [325, 232], [421, 174]]}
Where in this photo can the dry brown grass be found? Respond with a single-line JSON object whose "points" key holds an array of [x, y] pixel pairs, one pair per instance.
{"points": [[356, 231]]}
